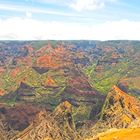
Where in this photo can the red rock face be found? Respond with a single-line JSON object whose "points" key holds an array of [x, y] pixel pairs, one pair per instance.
{"points": [[27, 61], [15, 71], [2, 70], [2, 92], [115, 55], [45, 61], [54, 57], [49, 82], [42, 50]]}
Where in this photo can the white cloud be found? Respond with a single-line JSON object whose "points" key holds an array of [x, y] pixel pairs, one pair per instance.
{"points": [[80, 5], [29, 29], [28, 14]]}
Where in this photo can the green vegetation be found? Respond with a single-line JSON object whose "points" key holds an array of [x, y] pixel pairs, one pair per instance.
{"points": [[38, 44], [82, 112], [104, 80], [93, 60]]}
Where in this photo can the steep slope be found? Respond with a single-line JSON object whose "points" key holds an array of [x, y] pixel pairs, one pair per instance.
{"points": [[14, 119], [3, 130], [120, 109], [55, 126]]}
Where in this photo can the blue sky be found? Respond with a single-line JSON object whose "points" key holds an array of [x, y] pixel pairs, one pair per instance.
{"points": [[70, 19]]}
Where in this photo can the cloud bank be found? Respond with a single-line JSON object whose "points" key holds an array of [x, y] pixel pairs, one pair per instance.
{"points": [[82, 5], [31, 29]]}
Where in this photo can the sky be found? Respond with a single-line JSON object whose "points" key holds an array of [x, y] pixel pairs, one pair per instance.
{"points": [[70, 19]]}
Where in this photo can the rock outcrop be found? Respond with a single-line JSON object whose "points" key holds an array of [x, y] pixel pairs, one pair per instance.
{"points": [[120, 109], [54, 126]]}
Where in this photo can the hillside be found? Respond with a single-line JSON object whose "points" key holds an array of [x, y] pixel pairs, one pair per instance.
{"points": [[120, 109], [95, 83]]}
